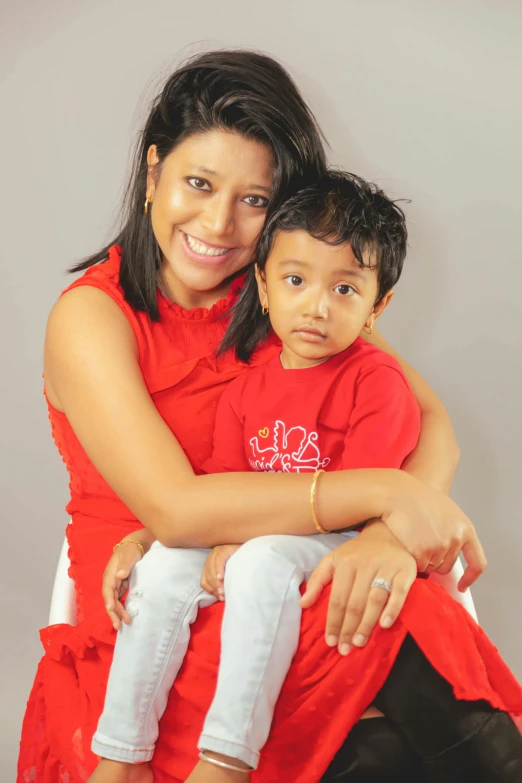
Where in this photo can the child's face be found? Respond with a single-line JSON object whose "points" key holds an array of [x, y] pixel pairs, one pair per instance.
{"points": [[319, 297]]}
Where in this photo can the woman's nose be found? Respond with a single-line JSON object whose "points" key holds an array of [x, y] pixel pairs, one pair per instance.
{"points": [[218, 217]]}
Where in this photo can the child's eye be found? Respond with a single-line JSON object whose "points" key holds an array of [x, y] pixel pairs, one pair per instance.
{"points": [[198, 183], [345, 290], [294, 280], [260, 202]]}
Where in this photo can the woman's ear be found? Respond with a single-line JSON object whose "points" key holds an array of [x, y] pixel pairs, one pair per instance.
{"points": [[378, 310], [152, 170], [261, 286]]}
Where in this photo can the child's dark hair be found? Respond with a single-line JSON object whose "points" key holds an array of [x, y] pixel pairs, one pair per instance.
{"points": [[341, 208], [242, 91]]}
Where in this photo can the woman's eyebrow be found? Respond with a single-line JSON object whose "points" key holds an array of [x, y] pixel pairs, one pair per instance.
{"points": [[259, 187], [211, 172]]}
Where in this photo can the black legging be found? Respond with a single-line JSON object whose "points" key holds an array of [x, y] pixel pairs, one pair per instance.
{"points": [[428, 734]]}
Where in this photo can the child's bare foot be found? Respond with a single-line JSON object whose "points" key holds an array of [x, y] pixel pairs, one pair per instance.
{"points": [[109, 771], [206, 772]]}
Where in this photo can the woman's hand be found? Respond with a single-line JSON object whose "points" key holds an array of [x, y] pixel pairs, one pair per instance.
{"points": [[355, 607], [433, 529], [116, 580], [213, 572]]}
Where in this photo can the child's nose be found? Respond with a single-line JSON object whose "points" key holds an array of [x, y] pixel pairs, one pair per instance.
{"points": [[317, 305]]}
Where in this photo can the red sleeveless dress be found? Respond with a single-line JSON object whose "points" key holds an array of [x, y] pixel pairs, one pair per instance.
{"points": [[324, 693]]}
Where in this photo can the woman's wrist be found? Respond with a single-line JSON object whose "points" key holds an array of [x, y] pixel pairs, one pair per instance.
{"points": [[391, 492], [143, 537], [368, 494]]}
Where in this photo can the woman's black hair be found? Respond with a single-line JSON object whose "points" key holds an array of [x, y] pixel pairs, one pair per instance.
{"points": [[340, 208], [241, 91]]}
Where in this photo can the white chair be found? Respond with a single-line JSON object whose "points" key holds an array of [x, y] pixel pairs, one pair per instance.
{"points": [[63, 601]]}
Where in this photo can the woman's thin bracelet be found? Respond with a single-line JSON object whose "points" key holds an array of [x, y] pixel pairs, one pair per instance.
{"points": [[313, 488], [130, 541]]}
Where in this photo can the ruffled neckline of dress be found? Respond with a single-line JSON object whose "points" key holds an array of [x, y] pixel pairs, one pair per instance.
{"points": [[168, 307], [207, 314]]}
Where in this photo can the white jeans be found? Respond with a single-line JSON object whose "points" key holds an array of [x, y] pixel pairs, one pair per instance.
{"points": [[259, 638]]}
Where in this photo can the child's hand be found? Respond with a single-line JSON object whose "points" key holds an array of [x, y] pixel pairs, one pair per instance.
{"points": [[116, 581], [214, 569]]}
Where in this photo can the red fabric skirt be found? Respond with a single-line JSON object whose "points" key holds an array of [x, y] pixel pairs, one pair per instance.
{"points": [[323, 695]]}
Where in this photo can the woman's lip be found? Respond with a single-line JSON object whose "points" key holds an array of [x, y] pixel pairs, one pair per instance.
{"points": [[208, 244], [203, 259]]}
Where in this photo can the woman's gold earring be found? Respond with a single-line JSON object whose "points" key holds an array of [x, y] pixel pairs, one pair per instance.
{"points": [[264, 310], [367, 329], [148, 201]]}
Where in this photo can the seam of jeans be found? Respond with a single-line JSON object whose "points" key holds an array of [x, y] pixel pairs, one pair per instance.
{"points": [[167, 655], [237, 745], [249, 721], [219, 739], [119, 747]]}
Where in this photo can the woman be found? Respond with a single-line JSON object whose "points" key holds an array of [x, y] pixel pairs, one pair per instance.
{"points": [[132, 383]]}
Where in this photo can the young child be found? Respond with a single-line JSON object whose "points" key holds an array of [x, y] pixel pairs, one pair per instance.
{"points": [[325, 269]]}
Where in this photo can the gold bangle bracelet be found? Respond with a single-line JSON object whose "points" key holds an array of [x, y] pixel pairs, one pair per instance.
{"points": [[130, 541], [318, 525]]}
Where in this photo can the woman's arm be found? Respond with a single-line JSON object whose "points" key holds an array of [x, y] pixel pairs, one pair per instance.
{"points": [[434, 462], [437, 454], [92, 374]]}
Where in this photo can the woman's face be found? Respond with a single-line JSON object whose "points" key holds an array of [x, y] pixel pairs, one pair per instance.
{"points": [[209, 200]]}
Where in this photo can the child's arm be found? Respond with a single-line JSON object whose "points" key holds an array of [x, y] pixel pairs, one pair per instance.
{"points": [[228, 445], [436, 456], [385, 421]]}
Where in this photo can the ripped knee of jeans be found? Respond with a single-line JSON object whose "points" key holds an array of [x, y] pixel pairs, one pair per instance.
{"points": [[133, 600]]}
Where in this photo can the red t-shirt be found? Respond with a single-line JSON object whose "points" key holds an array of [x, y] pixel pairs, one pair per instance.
{"points": [[355, 410]]}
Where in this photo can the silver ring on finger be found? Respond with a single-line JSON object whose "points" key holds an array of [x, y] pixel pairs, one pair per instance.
{"points": [[383, 584]]}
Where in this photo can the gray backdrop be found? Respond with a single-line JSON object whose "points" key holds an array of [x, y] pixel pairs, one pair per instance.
{"points": [[422, 95]]}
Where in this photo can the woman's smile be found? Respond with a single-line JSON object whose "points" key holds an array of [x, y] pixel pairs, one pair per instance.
{"points": [[204, 252]]}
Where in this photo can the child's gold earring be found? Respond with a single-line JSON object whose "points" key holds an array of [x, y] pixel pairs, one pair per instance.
{"points": [[368, 329], [148, 201], [264, 310]]}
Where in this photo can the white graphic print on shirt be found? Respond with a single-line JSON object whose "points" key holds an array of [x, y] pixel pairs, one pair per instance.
{"points": [[294, 451]]}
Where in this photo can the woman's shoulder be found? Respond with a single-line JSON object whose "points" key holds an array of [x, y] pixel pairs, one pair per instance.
{"points": [[104, 276], [95, 303]]}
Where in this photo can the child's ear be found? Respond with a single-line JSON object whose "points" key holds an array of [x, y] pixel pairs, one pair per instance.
{"points": [[378, 310], [261, 286]]}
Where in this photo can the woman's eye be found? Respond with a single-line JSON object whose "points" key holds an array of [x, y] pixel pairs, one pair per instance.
{"points": [[345, 290], [294, 280], [198, 183], [256, 201]]}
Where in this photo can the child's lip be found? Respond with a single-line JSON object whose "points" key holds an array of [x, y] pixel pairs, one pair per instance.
{"points": [[311, 330]]}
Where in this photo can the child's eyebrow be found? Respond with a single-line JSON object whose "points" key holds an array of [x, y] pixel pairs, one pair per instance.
{"points": [[354, 273], [293, 262], [350, 273]]}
